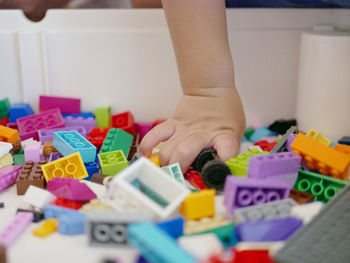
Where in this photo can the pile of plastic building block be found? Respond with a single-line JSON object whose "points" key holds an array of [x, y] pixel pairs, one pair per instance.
{"points": [[59, 158]]}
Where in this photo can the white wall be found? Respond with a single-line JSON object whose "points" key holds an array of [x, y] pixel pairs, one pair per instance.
{"points": [[124, 58]]}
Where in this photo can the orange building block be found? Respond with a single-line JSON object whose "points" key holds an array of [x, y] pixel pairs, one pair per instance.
{"points": [[8, 135], [318, 156], [342, 148], [71, 166], [199, 204]]}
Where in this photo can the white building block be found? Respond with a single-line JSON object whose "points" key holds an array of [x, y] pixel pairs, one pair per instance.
{"points": [[5, 148], [201, 246], [38, 197], [306, 212]]}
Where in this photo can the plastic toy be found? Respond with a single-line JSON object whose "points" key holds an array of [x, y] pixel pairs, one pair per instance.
{"points": [[48, 148], [195, 179], [174, 170], [66, 105], [214, 174], [86, 123], [344, 140], [174, 227], [4, 108], [102, 115], [112, 162], [260, 133], [33, 152], [281, 126], [38, 197], [117, 139], [8, 175], [19, 110], [313, 134], [198, 205], [205, 224], [31, 174], [47, 134], [5, 148], [8, 135], [301, 197], [124, 121], [48, 227]]}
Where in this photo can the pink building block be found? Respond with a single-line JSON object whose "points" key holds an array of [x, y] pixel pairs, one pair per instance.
{"points": [[33, 151], [66, 105], [12, 125], [21, 221], [87, 123], [28, 126], [70, 189], [8, 175], [142, 128]]}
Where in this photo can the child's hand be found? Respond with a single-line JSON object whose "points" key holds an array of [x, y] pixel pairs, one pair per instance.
{"points": [[214, 118]]}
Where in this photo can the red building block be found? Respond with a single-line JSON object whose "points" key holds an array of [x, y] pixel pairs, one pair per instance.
{"points": [[97, 136], [124, 121], [67, 203], [265, 145], [4, 121], [195, 179]]}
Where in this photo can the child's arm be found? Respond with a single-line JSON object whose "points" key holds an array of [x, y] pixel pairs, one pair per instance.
{"points": [[210, 113]]}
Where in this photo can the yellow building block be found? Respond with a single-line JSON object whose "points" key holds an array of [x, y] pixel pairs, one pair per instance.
{"points": [[49, 226], [199, 204], [6, 160], [318, 137], [155, 159], [69, 166], [205, 224], [8, 135]]}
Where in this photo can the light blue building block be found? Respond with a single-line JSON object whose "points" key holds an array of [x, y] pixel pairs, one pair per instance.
{"points": [[53, 211], [261, 133], [68, 142], [156, 245], [72, 223]]}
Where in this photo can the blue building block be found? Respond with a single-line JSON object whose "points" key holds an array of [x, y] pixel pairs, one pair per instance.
{"points": [[91, 168], [82, 114], [261, 133], [72, 223], [69, 142], [268, 230], [174, 227], [19, 110], [156, 245], [344, 140]]}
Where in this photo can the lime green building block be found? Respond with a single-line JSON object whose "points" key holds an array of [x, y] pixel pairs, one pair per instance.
{"points": [[239, 164], [117, 139], [323, 187], [4, 108], [102, 116], [248, 132], [18, 158], [112, 162]]}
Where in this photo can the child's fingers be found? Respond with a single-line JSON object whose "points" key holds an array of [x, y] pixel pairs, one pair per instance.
{"points": [[187, 150], [226, 145], [158, 134]]}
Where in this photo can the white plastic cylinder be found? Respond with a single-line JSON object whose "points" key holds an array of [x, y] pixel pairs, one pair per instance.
{"points": [[323, 95]]}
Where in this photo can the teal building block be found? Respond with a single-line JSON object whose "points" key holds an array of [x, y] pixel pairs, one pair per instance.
{"points": [[18, 158], [156, 245], [102, 116], [323, 187], [248, 132], [112, 162], [260, 133], [4, 108], [117, 139], [69, 142]]}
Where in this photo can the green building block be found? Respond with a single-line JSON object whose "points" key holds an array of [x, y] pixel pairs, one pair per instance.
{"points": [[4, 108], [117, 139], [239, 164], [248, 132], [102, 116], [18, 158], [323, 187], [112, 162]]}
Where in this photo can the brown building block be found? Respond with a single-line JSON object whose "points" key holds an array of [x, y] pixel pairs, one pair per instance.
{"points": [[31, 174], [134, 145], [301, 197], [16, 147], [48, 148], [2, 254], [100, 178]]}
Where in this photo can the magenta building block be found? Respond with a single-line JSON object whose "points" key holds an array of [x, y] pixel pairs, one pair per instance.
{"points": [[13, 231], [87, 123], [267, 230], [33, 151], [66, 105], [142, 128], [47, 135], [12, 125], [54, 156], [264, 166], [70, 189], [28, 126], [290, 140], [8, 175], [242, 192]]}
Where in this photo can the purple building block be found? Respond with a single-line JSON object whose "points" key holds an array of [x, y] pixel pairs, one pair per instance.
{"points": [[47, 135], [70, 189], [268, 230], [290, 140], [66, 105], [87, 123], [142, 128], [54, 156], [8, 175], [264, 166], [12, 125], [21, 221], [242, 192], [33, 151], [28, 126]]}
